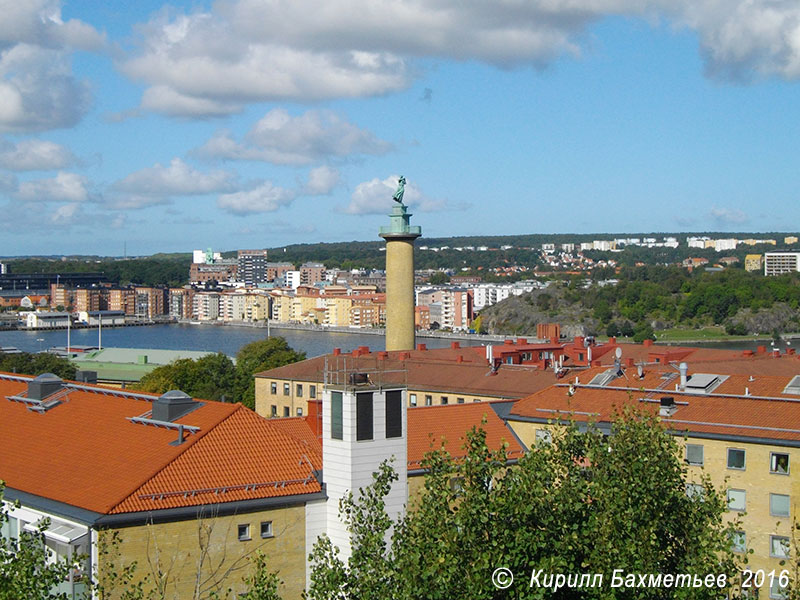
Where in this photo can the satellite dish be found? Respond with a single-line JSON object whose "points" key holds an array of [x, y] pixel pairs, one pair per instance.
{"points": [[618, 352], [640, 371]]}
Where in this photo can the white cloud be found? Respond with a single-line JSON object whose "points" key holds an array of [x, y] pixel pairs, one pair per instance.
{"points": [[746, 39], [321, 181], [37, 88], [374, 197], [728, 216], [34, 155], [8, 182], [242, 51], [266, 197], [64, 187], [66, 214], [134, 201], [176, 179], [282, 139]]}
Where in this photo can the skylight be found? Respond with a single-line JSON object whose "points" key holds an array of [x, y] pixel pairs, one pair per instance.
{"points": [[704, 383], [794, 386]]}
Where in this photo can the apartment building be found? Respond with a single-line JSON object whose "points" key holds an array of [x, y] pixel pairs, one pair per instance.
{"points": [[778, 263], [123, 299], [181, 303], [741, 430], [252, 266], [150, 302]]}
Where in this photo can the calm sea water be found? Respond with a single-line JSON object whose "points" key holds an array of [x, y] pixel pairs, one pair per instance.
{"points": [[227, 340]]}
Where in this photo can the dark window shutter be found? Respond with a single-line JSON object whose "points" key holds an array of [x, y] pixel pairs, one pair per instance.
{"points": [[394, 414], [364, 416], [336, 415]]}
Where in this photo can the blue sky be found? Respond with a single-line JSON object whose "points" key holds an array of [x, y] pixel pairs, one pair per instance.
{"points": [[258, 123]]}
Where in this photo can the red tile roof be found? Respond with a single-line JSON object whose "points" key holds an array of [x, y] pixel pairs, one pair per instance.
{"points": [[723, 411], [461, 371], [87, 453], [434, 427]]}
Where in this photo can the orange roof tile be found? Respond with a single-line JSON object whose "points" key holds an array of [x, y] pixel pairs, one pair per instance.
{"points": [[430, 427], [87, 453], [723, 411]]}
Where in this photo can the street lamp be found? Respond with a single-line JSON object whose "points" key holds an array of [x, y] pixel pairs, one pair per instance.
{"points": [[40, 340]]}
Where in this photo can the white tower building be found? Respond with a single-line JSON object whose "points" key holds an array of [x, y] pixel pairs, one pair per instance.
{"points": [[362, 425]]}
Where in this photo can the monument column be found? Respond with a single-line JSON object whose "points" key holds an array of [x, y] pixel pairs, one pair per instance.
{"points": [[400, 236]]}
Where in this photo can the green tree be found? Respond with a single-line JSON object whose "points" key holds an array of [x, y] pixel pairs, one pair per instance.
{"points": [[643, 331], [211, 377], [36, 364], [28, 568], [260, 356], [582, 502], [262, 584], [438, 278]]}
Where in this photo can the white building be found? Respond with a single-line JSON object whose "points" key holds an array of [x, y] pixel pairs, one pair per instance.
{"points": [[568, 248], [46, 320], [108, 317], [778, 263], [361, 426], [725, 244], [291, 279], [548, 248]]}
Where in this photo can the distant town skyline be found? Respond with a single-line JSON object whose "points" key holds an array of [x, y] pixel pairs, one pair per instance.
{"points": [[148, 127]]}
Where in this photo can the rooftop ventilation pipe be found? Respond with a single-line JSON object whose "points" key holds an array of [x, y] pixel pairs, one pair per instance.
{"points": [[668, 406], [684, 371]]}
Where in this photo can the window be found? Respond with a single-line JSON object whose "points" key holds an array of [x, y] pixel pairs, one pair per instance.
{"points": [[736, 500], [775, 589], [412, 399], [286, 411], [364, 416], [544, 436], [428, 400], [266, 529], [779, 463], [460, 401], [273, 411], [336, 415], [695, 490], [394, 414], [779, 505], [739, 541], [299, 412], [273, 387], [778, 546], [244, 532], [312, 391], [476, 400], [286, 389], [736, 459], [694, 454], [444, 400], [299, 390]]}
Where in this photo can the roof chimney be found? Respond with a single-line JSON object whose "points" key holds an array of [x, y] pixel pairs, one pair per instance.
{"points": [[522, 342], [383, 355], [455, 345], [668, 406], [44, 385], [648, 342], [422, 347], [337, 351], [173, 405], [612, 340], [684, 371], [363, 349]]}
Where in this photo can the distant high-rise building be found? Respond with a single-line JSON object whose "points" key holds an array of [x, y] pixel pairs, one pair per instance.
{"points": [[778, 263], [4, 268], [311, 273], [252, 266]]}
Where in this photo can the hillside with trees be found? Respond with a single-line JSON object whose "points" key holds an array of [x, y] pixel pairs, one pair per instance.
{"points": [[645, 299]]}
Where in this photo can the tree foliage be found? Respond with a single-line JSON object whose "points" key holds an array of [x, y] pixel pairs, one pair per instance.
{"points": [[26, 363], [28, 568], [582, 503], [214, 377]]}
